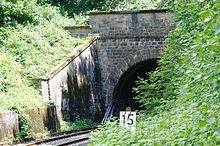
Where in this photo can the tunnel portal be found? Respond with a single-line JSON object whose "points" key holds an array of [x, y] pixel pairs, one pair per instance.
{"points": [[107, 65], [123, 92]]}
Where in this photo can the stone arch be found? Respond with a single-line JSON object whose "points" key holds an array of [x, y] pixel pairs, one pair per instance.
{"points": [[129, 61], [122, 93]]}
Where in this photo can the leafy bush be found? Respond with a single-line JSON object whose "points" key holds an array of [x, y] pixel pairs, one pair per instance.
{"points": [[15, 12], [15, 92], [182, 95], [25, 131], [10, 70], [79, 9], [78, 124], [136, 5], [73, 7], [32, 40]]}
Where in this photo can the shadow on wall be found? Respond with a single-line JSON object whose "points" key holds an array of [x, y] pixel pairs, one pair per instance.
{"points": [[78, 95]]}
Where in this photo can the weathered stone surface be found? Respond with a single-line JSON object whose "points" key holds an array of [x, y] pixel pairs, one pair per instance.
{"points": [[131, 23], [40, 118], [73, 84], [127, 38], [44, 117], [79, 31], [8, 124]]}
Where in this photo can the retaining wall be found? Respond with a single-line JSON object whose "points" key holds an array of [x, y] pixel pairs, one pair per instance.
{"points": [[40, 118], [8, 124], [72, 84], [43, 118], [78, 31]]}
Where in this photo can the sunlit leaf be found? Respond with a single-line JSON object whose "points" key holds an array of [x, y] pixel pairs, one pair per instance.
{"points": [[207, 19]]}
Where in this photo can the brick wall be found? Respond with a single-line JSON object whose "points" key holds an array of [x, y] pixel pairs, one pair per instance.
{"points": [[118, 55]]}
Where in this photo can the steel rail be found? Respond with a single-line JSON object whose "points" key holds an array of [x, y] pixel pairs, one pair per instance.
{"points": [[61, 137]]}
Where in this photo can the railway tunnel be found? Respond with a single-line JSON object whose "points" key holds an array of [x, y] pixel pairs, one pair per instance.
{"points": [[120, 47], [123, 95]]}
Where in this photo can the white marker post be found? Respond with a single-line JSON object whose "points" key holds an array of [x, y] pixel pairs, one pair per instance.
{"points": [[128, 119]]}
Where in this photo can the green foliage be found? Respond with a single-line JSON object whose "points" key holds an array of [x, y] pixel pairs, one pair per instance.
{"points": [[79, 9], [15, 12], [8, 140], [25, 131], [84, 123], [9, 71], [78, 124], [136, 5], [32, 40], [21, 97], [182, 95], [73, 7]]}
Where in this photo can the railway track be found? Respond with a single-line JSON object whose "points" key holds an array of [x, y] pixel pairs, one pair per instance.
{"points": [[80, 138]]}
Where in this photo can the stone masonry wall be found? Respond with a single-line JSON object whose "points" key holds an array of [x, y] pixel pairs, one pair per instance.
{"points": [[131, 23], [78, 31], [127, 38], [40, 118], [43, 117], [118, 55], [73, 83]]}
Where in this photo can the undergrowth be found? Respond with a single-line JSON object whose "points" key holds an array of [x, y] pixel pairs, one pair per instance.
{"points": [[78, 124], [32, 40], [182, 95], [79, 9]]}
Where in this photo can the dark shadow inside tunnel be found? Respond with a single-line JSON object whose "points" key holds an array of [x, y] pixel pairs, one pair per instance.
{"points": [[123, 91]]}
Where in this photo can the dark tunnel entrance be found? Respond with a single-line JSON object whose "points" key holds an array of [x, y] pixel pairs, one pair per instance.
{"points": [[123, 95]]}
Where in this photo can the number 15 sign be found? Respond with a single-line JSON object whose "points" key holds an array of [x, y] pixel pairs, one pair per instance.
{"points": [[127, 118]]}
